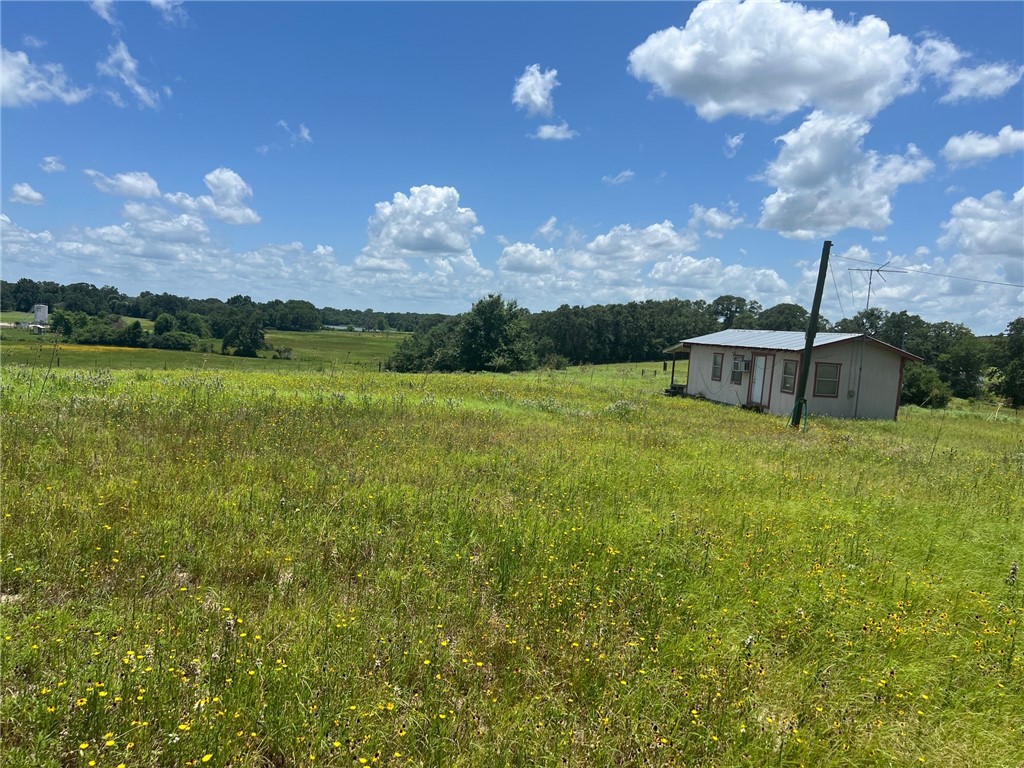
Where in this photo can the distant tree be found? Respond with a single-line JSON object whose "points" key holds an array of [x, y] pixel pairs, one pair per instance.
{"points": [[176, 340], [245, 339], [495, 336], [727, 308], [62, 322], [923, 386], [164, 323], [784, 317], [1011, 384], [868, 321], [194, 323]]}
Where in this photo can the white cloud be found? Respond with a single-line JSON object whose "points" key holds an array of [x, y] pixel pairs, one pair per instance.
{"points": [[527, 257], [620, 178], [26, 195], [302, 135], [156, 224], [130, 184], [549, 229], [989, 230], [120, 65], [710, 278], [105, 10], [768, 59], [17, 240], [623, 245], [716, 221], [973, 146], [31, 41], [826, 182], [733, 144], [171, 11], [51, 164], [532, 90], [429, 225], [983, 82], [226, 201], [23, 83], [558, 132]]}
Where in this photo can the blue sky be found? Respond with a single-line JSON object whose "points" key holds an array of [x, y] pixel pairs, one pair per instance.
{"points": [[416, 156]]}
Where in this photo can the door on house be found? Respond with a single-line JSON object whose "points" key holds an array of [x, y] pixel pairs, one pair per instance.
{"points": [[760, 379]]}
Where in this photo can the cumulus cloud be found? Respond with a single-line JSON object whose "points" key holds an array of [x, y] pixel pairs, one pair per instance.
{"points": [[130, 184], [31, 41], [120, 65], [559, 132], [620, 178], [226, 201], [527, 257], [624, 245], [17, 240], [51, 164], [768, 59], [989, 229], [532, 90], [23, 83], [973, 147], [427, 224], [710, 278], [715, 222], [826, 181], [987, 81], [26, 195]]}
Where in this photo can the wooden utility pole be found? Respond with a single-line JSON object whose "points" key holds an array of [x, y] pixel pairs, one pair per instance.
{"points": [[812, 328]]}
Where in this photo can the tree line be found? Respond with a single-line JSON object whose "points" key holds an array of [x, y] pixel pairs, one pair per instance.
{"points": [[499, 335]]}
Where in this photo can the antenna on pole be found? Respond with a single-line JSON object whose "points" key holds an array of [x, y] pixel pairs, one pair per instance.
{"points": [[878, 271]]}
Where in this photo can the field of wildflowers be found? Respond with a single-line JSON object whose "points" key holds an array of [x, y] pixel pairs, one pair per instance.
{"points": [[344, 568]]}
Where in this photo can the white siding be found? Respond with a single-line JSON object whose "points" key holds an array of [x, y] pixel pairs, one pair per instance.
{"points": [[869, 380]]}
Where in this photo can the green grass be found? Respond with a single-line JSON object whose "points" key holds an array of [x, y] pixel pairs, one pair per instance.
{"points": [[560, 568], [321, 351]]}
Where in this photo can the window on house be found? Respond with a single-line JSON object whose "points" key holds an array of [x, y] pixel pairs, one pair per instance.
{"points": [[788, 376], [826, 380], [737, 370], [716, 366]]}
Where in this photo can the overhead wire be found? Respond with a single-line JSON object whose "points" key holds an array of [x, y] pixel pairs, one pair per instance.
{"points": [[935, 274]]}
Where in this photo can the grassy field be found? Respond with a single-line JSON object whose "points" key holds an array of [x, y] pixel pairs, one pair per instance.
{"points": [[339, 567], [318, 352]]}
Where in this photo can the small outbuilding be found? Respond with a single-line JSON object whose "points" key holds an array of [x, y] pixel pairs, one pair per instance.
{"points": [[851, 374]]}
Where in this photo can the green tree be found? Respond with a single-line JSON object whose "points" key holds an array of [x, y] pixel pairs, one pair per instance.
{"points": [[784, 317], [727, 308], [245, 339], [164, 323], [495, 336], [1011, 385], [923, 386]]}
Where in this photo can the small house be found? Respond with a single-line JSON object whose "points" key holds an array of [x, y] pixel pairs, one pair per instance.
{"points": [[851, 374]]}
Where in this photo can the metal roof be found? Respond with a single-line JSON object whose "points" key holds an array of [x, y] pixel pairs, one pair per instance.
{"points": [[788, 341]]}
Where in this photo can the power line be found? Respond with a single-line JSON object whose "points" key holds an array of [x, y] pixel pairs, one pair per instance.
{"points": [[935, 274], [836, 286]]}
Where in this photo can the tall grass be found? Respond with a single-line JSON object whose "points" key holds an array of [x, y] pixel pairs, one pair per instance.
{"points": [[565, 568]]}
